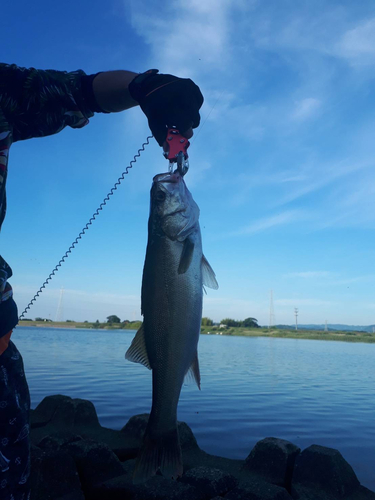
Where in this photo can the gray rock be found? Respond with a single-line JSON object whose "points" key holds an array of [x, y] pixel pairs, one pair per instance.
{"points": [[95, 462], [160, 488], [54, 476], [211, 482], [136, 427], [273, 459], [63, 426], [128, 467], [65, 417], [362, 494], [259, 490], [64, 411], [156, 488], [323, 473], [118, 488], [57, 440]]}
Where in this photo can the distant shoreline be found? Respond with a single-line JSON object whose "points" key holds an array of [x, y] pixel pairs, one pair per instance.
{"points": [[81, 325], [343, 336]]}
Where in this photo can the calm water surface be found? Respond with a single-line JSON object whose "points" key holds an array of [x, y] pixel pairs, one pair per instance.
{"points": [[305, 391]]}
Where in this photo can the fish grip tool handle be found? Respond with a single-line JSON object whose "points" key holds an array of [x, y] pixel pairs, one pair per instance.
{"points": [[175, 150]]}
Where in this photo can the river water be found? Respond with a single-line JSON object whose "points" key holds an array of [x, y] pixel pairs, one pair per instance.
{"points": [[305, 391]]}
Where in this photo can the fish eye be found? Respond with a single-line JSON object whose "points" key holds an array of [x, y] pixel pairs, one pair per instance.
{"points": [[160, 196]]}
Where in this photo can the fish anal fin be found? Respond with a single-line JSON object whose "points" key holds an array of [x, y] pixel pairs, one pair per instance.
{"points": [[159, 452], [194, 372], [137, 351], [186, 255], [208, 275]]}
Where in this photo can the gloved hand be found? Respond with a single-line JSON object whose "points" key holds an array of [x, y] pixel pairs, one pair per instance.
{"points": [[167, 101]]}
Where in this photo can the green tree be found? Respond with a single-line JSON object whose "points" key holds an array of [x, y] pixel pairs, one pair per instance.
{"points": [[113, 319], [250, 323], [207, 322], [230, 322]]}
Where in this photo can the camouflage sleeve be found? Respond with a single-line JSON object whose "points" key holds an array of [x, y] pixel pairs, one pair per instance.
{"points": [[37, 103]]}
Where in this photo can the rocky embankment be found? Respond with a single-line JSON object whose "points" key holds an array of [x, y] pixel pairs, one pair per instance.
{"points": [[75, 458]]}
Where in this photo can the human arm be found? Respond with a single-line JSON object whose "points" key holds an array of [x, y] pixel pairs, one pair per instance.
{"points": [[37, 103], [166, 100], [111, 90]]}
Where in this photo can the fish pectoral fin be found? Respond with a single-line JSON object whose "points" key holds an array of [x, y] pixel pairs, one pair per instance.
{"points": [[194, 372], [137, 350], [186, 255], [208, 275]]}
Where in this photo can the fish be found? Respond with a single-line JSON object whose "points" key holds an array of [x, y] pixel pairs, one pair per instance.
{"points": [[174, 275]]}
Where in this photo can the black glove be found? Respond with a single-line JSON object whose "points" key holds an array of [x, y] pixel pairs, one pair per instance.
{"points": [[167, 101]]}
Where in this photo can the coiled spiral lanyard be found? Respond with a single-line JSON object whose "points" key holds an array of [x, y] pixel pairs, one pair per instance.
{"points": [[86, 227]]}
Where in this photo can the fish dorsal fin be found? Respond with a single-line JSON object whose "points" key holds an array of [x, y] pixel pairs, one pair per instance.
{"points": [[193, 372], [186, 255], [208, 275], [137, 350]]}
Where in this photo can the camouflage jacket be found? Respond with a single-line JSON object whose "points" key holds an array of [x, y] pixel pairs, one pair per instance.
{"points": [[36, 103]]}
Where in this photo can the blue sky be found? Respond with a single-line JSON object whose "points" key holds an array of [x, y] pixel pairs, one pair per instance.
{"points": [[282, 165]]}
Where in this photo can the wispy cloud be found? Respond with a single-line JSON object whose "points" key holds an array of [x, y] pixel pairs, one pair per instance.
{"points": [[308, 274], [368, 278], [305, 302], [263, 224], [180, 36], [79, 305], [306, 108], [358, 44]]}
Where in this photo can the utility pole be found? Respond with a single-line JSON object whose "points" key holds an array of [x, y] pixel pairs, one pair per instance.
{"points": [[272, 314], [296, 315]]}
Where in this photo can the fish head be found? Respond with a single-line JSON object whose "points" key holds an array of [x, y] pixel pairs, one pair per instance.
{"points": [[172, 208]]}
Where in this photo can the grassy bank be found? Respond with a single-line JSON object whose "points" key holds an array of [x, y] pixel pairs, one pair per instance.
{"points": [[214, 330], [134, 325], [292, 334]]}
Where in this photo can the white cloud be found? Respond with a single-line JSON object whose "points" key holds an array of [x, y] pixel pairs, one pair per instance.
{"points": [[306, 108], [358, 44], [186, 38]]}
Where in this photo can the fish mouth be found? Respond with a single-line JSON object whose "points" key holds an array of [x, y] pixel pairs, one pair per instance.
{"points": [[167, 177]]}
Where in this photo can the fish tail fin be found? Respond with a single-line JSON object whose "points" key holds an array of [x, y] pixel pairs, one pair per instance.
{"points": [[159, 452]]}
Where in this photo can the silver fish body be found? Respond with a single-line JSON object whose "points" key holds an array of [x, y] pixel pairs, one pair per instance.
{"points": [[175, 271]]}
